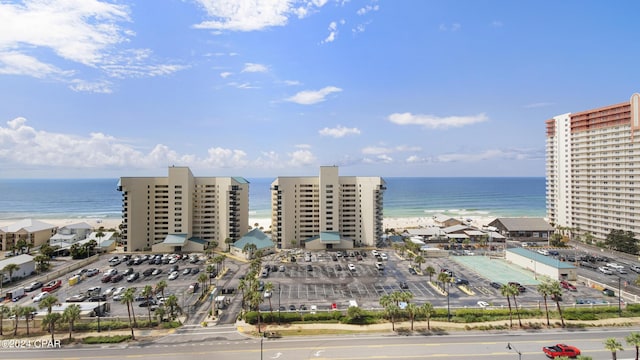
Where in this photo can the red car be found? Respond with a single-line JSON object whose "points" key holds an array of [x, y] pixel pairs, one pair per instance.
{"points": [[561, 350], [567, 285], [52, 285]]}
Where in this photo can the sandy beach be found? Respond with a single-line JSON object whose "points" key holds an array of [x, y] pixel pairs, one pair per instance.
{"points": [[265, 224]]}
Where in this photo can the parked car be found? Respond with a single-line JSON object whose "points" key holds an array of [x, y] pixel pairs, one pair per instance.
{"points": [[119, 291], [33, 286], [587, 264], [133, 277], [186, 271], [116, 278], [483, 304], [110, 291], [309, 267], [174, 275], [92, 272], [148, 271], [635, 268], [613, 265], [495, 285], [608, 292], [605, 270], [351, 267], [403, 285], [567, 285], [40, 296], [52, 285], [156, 271]]}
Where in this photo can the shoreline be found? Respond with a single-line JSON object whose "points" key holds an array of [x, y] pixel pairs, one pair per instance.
{"points": [[262, 223]]}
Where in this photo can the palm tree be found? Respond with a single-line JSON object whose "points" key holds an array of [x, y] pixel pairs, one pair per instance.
{"points": [[172, 303], [556, 293], [4, 311], [508, 290], [160, 286], [613, 345], [419, 260], [268, 287], [443, 278], [249, 248], [147, 292], [430, 271], [47, 303], [70, 315], [10, 269], [209, 270], [242, 286], [202, 279], [218, 260], [160, 313], [515, 303], [428, 311], [544, 289], [391, 309], [50, 321], [27, 313], [128, 298], [634, 339], [228, 241], [16, 312], [412, 310]]}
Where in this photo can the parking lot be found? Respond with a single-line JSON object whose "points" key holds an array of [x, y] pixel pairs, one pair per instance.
{"points": [[180, 286], [325, 279]]}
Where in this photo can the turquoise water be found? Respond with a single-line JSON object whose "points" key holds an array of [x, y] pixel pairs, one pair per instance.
{"points": [[404, 197]]}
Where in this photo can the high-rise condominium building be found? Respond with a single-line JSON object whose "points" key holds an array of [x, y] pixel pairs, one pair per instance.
{"points": [[206, 209], [593, 169], [329, 209]]}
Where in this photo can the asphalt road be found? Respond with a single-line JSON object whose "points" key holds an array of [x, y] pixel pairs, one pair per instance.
{"points": [[222, 345]]}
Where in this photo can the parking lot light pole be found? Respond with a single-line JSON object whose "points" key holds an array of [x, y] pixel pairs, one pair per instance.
{"points": [[619, 298], [279, 292], [448, 307]]}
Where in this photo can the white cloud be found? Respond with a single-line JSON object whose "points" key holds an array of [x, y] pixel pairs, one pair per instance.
{"points": [[506, 154], [367, 8], [435, 122], [74, 32], [292, 82], [253, 15], [251, 67], [377, 150], [333, 32], [100, 87], [453, 27], [496, 24], [301, 158], [310, 97], [26, 147], [225, 74], [339, 131]]}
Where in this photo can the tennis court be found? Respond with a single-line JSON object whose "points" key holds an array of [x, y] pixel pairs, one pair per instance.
{"points": [[497, 270]]}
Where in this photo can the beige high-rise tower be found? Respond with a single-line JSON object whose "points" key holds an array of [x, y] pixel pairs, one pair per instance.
{"points": [[199, 209], [328, 211], [593, 169]]}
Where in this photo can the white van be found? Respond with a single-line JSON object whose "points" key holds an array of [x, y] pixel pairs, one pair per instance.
{"points": [[379, 266], [353, 303]]}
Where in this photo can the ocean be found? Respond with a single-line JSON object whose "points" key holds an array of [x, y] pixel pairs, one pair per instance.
{"points": [[404, 197]]}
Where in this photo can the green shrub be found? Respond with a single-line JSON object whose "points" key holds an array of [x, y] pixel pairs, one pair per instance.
{"points": [[106, 339]]}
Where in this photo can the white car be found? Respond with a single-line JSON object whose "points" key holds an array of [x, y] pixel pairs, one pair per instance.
{"points": [[483, 304], [374, 252], [605, 270], [267, 294], [174, 275], [351, 267], [384, 256], [40, 296], [615, 266], [544, 252], [119, 291], [109, 291]]}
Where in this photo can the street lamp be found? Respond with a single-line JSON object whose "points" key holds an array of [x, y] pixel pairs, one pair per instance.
{"points": [[279, 292], [619, 298], [509, 347], [448, 307]]}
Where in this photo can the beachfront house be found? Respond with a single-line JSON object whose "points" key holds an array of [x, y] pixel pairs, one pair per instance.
{"points": [[31, 233], [258, 239], [524, 229]]}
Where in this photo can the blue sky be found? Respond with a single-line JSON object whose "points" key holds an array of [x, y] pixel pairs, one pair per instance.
{"points": [[266, 88]]}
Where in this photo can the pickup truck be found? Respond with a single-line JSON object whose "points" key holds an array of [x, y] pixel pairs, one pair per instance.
{"points": [[561, 350], [52, 285]]}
